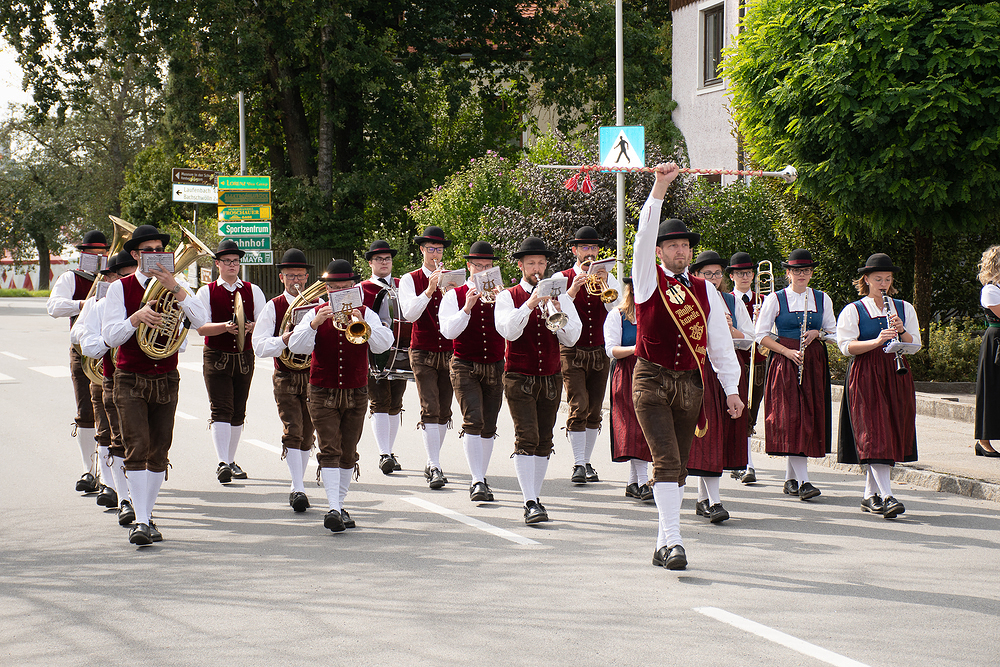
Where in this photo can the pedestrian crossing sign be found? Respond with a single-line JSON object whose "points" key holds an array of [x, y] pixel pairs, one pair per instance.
{"points": [[623, 146]]}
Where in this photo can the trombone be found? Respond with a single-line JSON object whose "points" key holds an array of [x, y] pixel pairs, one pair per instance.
{"points": [[763, 287], [355, 328]]}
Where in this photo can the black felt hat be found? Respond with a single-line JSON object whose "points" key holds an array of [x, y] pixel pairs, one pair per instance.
{"points": [[432, 235], [587, 235], [94, 240], [799, 259], [294, 259], [532, 246], [740, 260], [480, 250], [228, 247], [145, 233], [675, 229], [379, 247], [705, 258], [340, 269], [878, 262], [119, 261]]}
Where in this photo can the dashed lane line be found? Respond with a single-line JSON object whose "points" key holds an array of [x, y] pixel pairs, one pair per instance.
{"points": [[52, 371], [15, 356], [469, 521]]}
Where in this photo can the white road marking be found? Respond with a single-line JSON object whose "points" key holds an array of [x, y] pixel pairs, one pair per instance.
{"points": [[53, 371], [779, 637], [184, 415], [15, 356], [6, 379], [263, 445], [469, 521], [191, 366]]}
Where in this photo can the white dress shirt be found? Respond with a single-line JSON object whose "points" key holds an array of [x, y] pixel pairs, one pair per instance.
{"points": [[453, 319], [263, 342], [90, 323], [303, 338], [411, 304], [796, 304], [612, 331], [117, 327], [847, 323], [510, 321], [61, 302], [988, 297], [259, 300], [743, 322]]}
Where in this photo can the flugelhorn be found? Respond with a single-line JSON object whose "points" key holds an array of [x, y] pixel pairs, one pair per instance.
{"points": [[309, 295], [598, 286], [555, 319], [355, 328]]}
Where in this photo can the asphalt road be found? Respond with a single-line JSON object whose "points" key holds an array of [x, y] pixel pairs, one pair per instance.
{"points": [[429, 578]]}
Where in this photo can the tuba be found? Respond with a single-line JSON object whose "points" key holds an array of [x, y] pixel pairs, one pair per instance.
{"points": [[299, 362], [355, 329], [162, 341]]}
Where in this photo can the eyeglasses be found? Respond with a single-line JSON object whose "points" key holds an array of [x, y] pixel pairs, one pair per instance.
{"points": [[801, 272], [481, 267], [743, 274], [433, 251], [713, 274], [296, 276], [157, 249], [229, 262], [587, 248], [384, 260]]}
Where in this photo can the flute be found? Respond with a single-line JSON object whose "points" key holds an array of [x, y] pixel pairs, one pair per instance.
{"points": [[802, 334]]}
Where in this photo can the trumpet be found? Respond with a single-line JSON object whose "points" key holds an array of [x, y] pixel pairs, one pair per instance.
{"points": [[555, 319], [598, 286], [309, 295], [355, 328]]}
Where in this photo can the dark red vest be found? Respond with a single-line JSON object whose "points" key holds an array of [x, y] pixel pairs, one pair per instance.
{"points": [[657, 338], [370, 290], [337, 363], [81, 289], [426, 330], [480, 342], [536, 352], [130, 357], [592, 313], [280, 308], [222, 305]]}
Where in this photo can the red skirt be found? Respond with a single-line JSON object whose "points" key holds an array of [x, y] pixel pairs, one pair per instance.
{"points": [[627, 440], [734, 431], [706, 458], [797, 418], [878, 415]]}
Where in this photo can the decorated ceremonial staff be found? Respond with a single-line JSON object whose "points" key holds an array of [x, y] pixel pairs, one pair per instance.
{"points": [[110, 448], [291, 376], [467, 318], [234, 306], [430, 352], [146, 383], [680, 322], [338, 386], [797, 421], [724, 446], [878, 414], [66, 300], [585, 365], [534, 327], [742, 272], [385, 394]]}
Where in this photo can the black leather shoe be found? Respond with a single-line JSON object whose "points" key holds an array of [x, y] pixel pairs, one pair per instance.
{"points": [[298, 501], [107, 497], [592, 474], [749, 476], [717, 513], [334, 521], [87, 483], [632, 491], [395, 463], [386, 464], [436, 480], [807, 491], [701, 508], [348, 521], [873, 504], [224, 473], [489, 492], [140, 535], [533, 513], [237, 471], [478, 493], [738, 475], [645, 493], [579, 475], [980, 451], [126, 514], [672, 558], [892, 507], [791, 487], [154, 534]]}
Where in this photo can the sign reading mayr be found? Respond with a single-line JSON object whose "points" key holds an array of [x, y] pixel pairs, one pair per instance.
{"points": [[258, 257]]}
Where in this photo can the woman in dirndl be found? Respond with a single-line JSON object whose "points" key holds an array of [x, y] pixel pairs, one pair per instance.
{"points": [[627, 441], [988, 378], [797, 423], [879, 411]]}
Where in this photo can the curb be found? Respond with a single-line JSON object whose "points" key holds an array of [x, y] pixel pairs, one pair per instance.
{"points": [[940, 408]]}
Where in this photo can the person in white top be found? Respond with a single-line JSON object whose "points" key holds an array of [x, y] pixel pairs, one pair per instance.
{"points": [[878, 413], [742, 271], [797, 398], [988, 377], [228, 362]]}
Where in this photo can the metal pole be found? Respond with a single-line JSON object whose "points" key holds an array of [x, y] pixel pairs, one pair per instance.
{"points": [[243, 153], [620, 121], [197, 271]]}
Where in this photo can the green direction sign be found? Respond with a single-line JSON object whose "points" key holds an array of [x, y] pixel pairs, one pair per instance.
{"points": [[245, 228], [252, 242], [244, 183], [244, 213], [244, 197], [258, 257]]}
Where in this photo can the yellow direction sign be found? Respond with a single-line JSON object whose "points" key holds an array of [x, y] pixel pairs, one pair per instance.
{"points": [[244, 213]]}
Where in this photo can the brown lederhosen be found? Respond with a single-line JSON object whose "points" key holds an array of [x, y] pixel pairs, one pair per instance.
{"points": [[533, 401], [479, 389], [585, 373], [339, 417], [85, 417], [117, 448], [227, 379], [146, 407], [432, 375], [101, 421], [386, 395], [291, 394]]}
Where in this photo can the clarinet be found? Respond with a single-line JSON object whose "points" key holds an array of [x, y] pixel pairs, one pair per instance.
{"points": [[802, 334], [900, 366]]}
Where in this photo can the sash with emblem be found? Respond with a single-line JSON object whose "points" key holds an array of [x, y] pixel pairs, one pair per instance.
{"points": [[692, 327]]}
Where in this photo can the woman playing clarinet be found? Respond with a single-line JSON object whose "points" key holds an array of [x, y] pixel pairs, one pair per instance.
{"points": [[878, 412], [797, 395], [988, 378]]}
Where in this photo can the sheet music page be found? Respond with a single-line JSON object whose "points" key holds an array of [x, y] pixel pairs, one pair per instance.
{"points": [[601, 264], [350, 296], [488, 280], [894, 346], [451, 279], [149, 260], [551, 287], [91, 263], [102, 289]]}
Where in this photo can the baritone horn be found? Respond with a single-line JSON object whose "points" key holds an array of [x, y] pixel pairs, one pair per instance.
{"points": [[355, 329], [598, 285], [311, 294]]}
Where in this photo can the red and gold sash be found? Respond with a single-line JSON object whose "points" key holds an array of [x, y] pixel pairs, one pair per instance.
{"points": [[692, 327]]}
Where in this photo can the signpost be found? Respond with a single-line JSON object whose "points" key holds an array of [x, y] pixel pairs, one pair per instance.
{"points": [[244, 197], [258, 258], [252, 242], [194, 194], [244, 183], [245, 216], [192, 176], [244, 213], [262, 228]]}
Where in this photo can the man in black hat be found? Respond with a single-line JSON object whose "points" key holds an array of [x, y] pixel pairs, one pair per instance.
{"points": [[145, 387], [585, 366], [228, 363], [110, 448], [532, 380], [430, 352], [291, 385], [385, 393], [467, 317], [680, 322], [338, 388], [66, 300]]}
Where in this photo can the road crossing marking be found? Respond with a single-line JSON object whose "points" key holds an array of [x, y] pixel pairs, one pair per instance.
{"points": [[779, 637], [15, 356], [469, 521], [184, 415], [52, 371], [263, 445], [6, 379]]}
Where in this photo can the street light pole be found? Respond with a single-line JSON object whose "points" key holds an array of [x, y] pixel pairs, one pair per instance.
{"points": [[620, 121]]}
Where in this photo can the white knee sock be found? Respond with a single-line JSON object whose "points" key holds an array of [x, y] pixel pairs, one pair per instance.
{"points": [[641, 471], [107, 476], [345, 483], [702, 489], [87, 439], [749, 453], [524, 467], [432, 443], [633, 471], [881, 473], [331, 484], [394, 422], [474, 455], [121, 484], [380, 429], [789, 470], [712, 489], [591, 443], [220, 438], [668, 508], [295, 469], [800, 468], [871, 486], [578, 443], [442, 431], [234, 440], [541, 465], [138, 488], [153, 482], [487, 449]]}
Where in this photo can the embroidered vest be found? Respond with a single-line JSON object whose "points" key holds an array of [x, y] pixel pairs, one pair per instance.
{"points": [[223, 303], [657, 338], [480, 342], [426, 330], [337, 363], [536, 352], [131, 358], [592, 313]]}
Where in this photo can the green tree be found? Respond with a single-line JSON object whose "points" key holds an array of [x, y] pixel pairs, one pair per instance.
{"points": [[890, 111]]}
